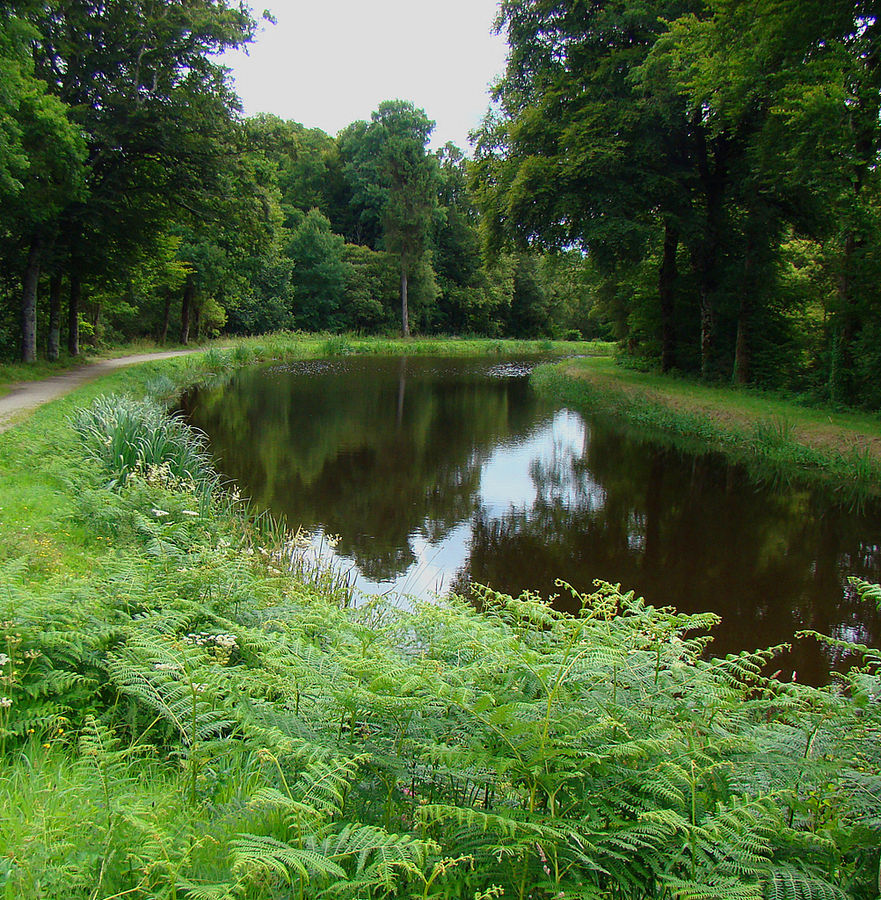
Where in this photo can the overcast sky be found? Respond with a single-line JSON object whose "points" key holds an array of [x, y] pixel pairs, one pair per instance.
{"points": [[331, 62]]}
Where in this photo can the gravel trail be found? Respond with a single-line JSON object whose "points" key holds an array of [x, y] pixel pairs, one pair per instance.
{"points": [[28, 395]]}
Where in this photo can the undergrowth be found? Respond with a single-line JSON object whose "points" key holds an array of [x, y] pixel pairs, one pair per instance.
{"points": [[199, 715]]}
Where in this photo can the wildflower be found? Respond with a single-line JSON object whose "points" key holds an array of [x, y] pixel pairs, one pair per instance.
{"points": [[159, 513], [167, 667], [189, 512], [5, 702], [3, 660]]}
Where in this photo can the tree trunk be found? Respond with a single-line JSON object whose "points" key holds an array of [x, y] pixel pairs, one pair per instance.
{"points": [[666, 280], [186, 309], [713, 178], [743, 343], [405, 313], [29, 301], [54, 343], [96, 318], [708, 330], [197, 321], [841, 372], [166, 319], [73, 313]]}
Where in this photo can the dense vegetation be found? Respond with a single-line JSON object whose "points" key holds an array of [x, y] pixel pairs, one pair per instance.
{"points": [[191, 709], [696, 178], [189, 705], [717, 161], [136, 200]]}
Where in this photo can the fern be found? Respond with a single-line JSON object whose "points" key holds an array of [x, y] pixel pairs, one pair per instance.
{"points": [[261, 854]]}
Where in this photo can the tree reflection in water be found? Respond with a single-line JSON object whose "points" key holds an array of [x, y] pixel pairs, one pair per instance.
{"points": [[436, 473]]}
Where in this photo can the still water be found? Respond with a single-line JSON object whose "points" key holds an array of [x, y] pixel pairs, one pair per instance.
{"points": [[438, 473]]}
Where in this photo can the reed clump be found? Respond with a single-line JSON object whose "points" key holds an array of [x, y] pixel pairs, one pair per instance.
{"points": [[127, 435]]}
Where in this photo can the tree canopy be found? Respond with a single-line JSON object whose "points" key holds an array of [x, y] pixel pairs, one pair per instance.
{"points": [[695, 178]]}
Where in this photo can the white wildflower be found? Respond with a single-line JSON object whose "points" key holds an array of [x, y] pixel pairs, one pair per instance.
{"points": [[5, 702], [159, 513]]}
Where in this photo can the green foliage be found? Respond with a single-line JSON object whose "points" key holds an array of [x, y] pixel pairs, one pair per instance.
{"points": [[319, 274], [129, 436], [191, 718], [245, 735]]}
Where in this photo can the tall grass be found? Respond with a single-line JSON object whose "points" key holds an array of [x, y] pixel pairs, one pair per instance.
{"points": [[127, 436]]}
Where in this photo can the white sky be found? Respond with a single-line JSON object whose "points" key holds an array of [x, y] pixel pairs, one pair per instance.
{"points": [[331, 62]]}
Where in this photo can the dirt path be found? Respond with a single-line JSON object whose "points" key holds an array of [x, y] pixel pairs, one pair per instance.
{"points": [[28, 395]]}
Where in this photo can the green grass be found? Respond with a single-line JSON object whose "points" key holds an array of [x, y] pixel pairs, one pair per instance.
{"points": [[777, 437], [16, 372], [224, 352], [189, 719]]}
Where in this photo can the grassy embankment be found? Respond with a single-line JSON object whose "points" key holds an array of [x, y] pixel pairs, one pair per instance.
{"points": [[183, 713], [777, 437]]}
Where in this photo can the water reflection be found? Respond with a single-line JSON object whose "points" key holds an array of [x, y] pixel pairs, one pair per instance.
{"points": [[438, 473]]}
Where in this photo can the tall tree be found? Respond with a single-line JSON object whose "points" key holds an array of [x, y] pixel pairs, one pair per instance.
{"points": [[41, 156], [135, 75], [578, 152], [394, 180]]}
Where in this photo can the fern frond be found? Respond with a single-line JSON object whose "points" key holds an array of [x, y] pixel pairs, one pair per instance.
{"points": [[713, 889], [790, 883], [260, 853]]}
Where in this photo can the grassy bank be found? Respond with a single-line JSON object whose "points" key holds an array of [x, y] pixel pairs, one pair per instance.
{"points": [[15, 373], [775, 436], [186, 711], [287, 344]]}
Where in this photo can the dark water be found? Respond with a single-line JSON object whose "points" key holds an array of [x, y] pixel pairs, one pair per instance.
{"points": [[436, 473]]}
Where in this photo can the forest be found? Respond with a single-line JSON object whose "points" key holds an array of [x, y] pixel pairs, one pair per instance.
{"points": [[194, 705], [695, 179]]}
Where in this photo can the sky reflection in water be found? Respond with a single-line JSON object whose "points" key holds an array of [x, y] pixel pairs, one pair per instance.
{"points": [[436, 473]]}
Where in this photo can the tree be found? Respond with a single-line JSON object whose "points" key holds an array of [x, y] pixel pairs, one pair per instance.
{"points": [[41, 156], [318, 274], [394, 182], [579, 154], [132, 77]]}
